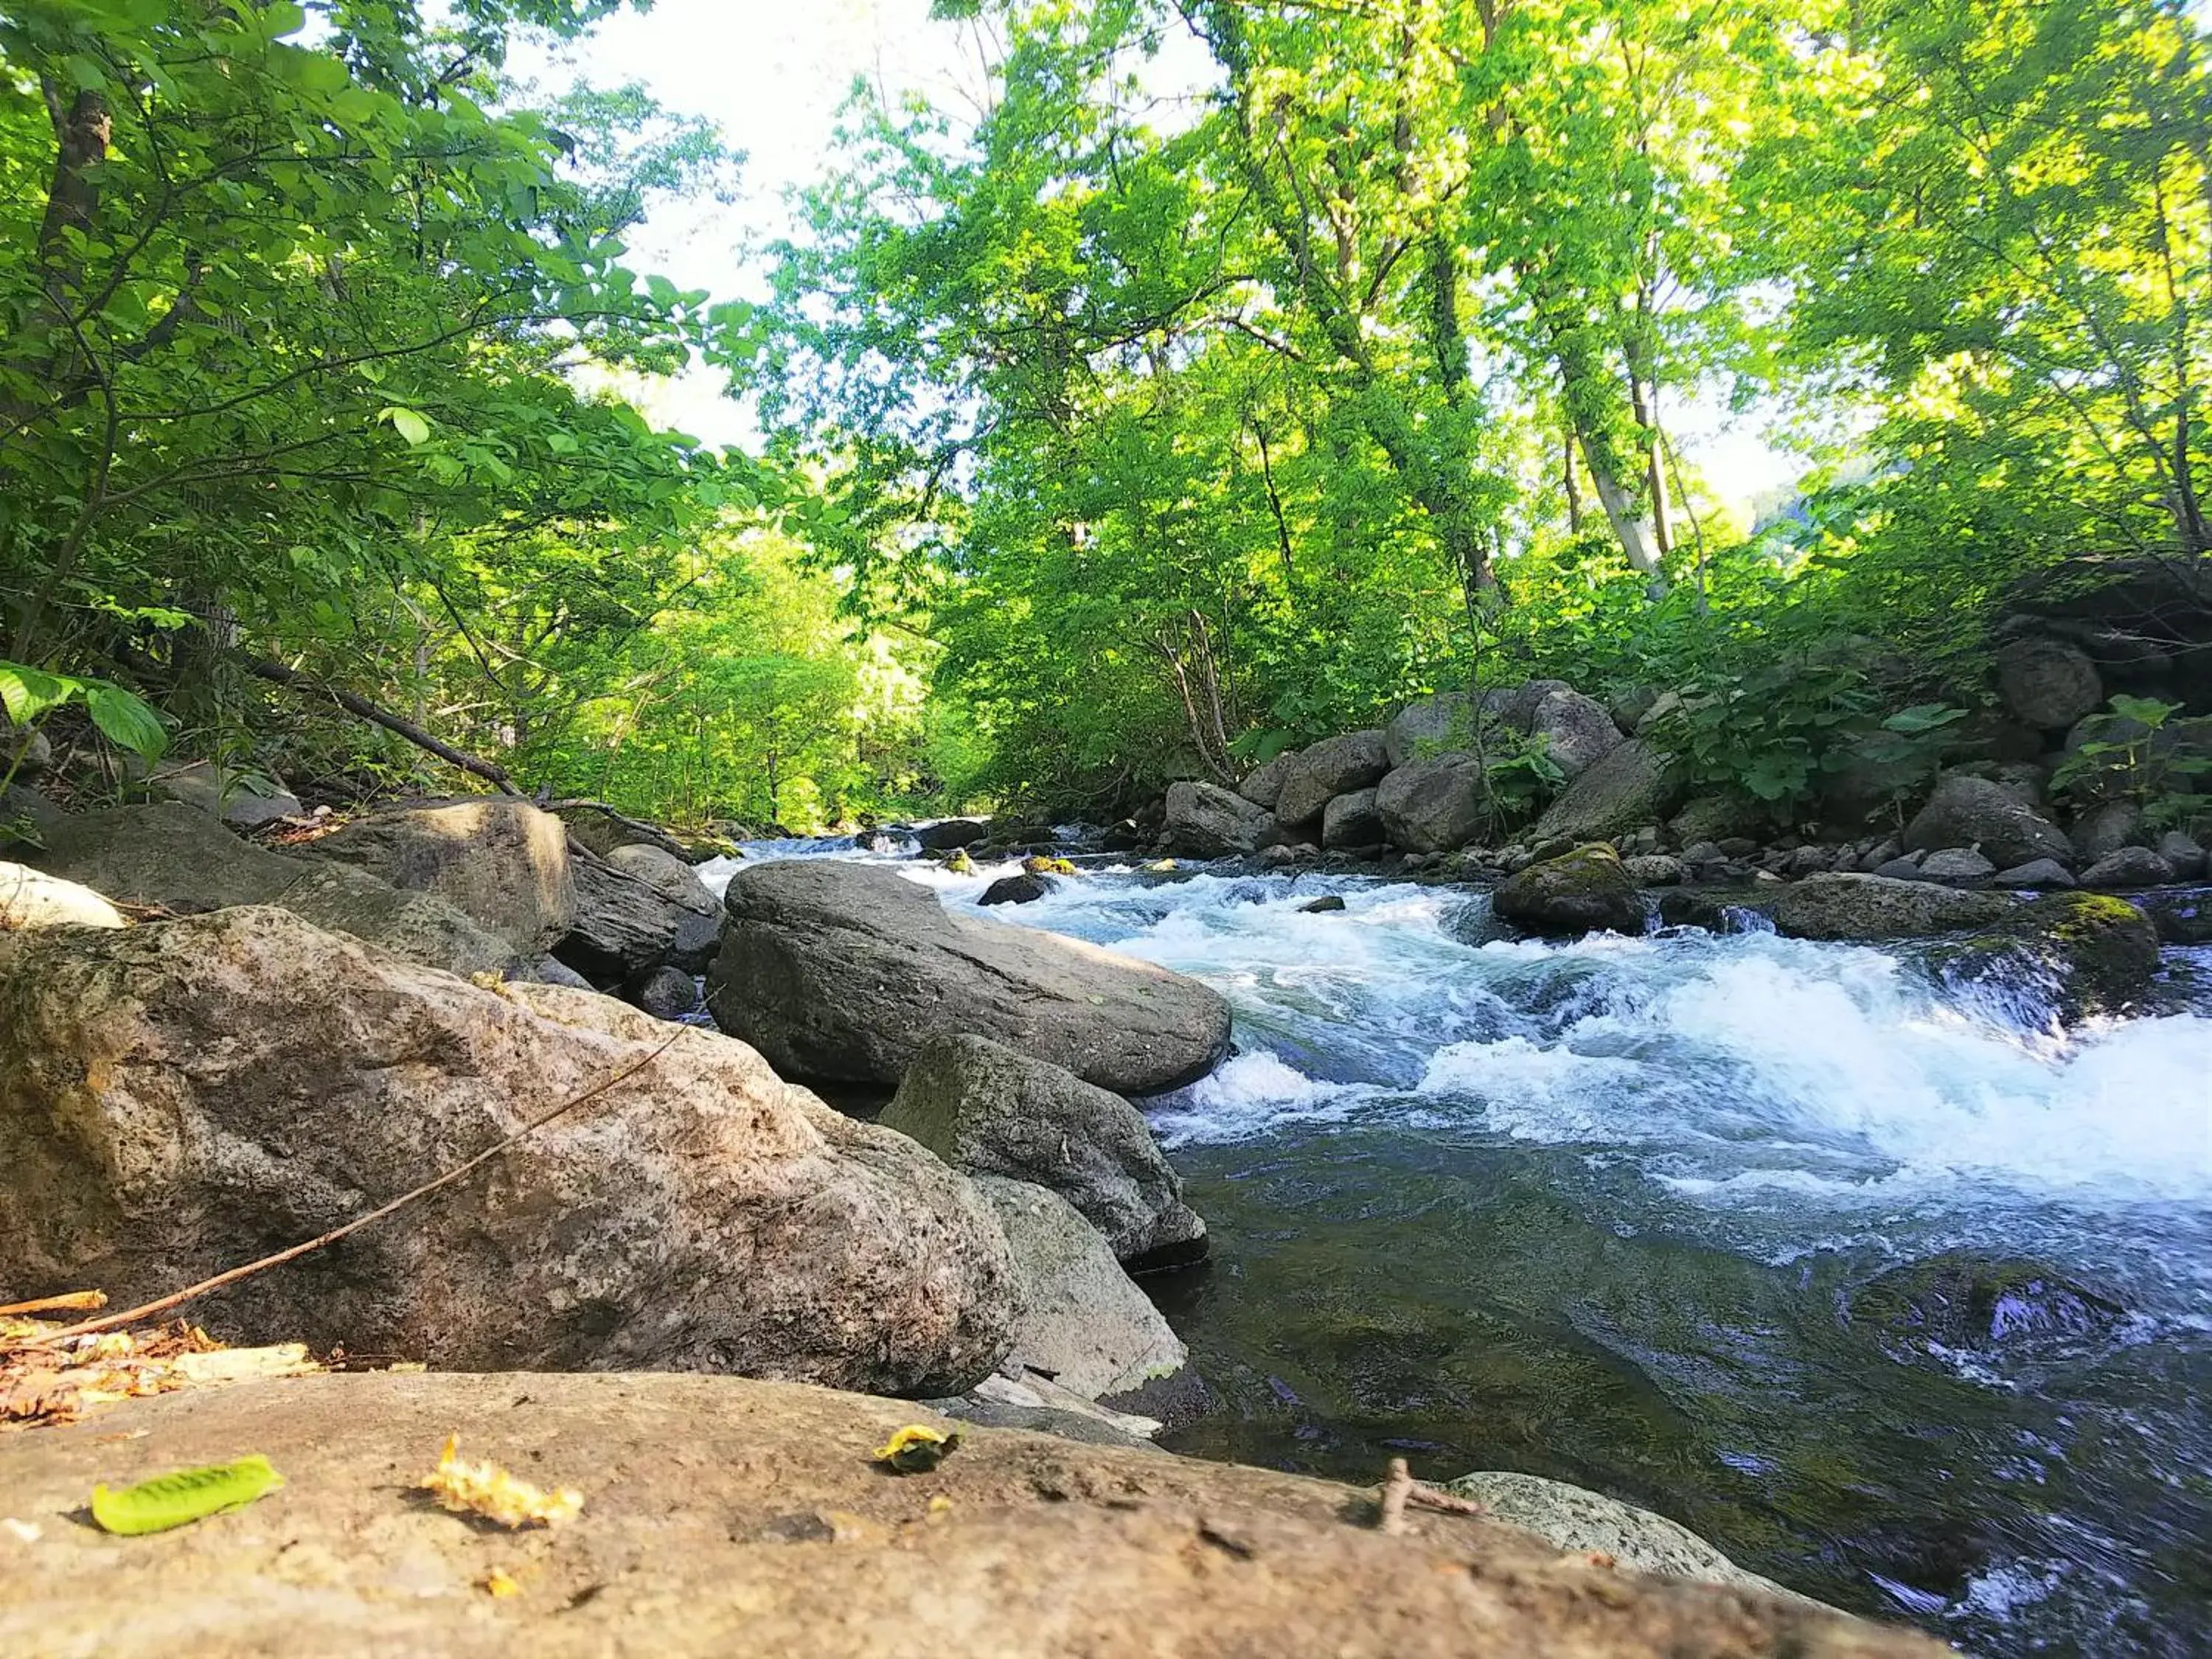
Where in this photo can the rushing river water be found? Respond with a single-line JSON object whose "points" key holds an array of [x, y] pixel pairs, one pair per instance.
{"points": [[1596, 1211]]}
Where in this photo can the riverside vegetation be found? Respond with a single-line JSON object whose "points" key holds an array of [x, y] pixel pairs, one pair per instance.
{"points": [[1513, 908]]}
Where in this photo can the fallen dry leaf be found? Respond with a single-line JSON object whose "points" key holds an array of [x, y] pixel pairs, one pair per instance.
{"points": [[490, 1492]]}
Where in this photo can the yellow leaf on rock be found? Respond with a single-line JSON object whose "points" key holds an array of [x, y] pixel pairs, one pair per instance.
{"points": [[916, 1449], [488, 1491], [497, 1585]]}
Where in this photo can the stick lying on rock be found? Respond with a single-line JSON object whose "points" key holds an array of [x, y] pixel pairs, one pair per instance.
{"points": [[192, 1292], [1401, 1492]]}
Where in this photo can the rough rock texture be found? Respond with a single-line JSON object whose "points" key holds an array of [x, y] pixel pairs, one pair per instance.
{"points": [[31, 898], [1432, 726], [1971, 811], [665, 993], [1959, 867], [2104, 830], [1630, 787], [1576, 1519], [2047, 683], [1025, 888], [600, 828], [2181, 918], [196, 1092], [1579, 893], [500, 860], [1718, 818], [202, 784], [1352, 820], [1434, 806], [1083, 1321], [2039, 872], [1263, 784], [1208, 821], [1332, 767], [725, 1516], [26, 756], [988, 1110], [2183, 853], [176, 858], [2081, 953], [625, 926], [2128, 868], [1655, 870], [1576, 731], [1844, 905], [845, 971]]}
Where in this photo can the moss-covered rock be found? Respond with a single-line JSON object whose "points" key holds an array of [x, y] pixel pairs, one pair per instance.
{"points": [[1039, 865], [1959, 1301], [2088, 953], [1579, 893]]}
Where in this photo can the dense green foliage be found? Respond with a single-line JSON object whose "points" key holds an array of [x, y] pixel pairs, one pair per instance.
{"points": [[1244, 368]]}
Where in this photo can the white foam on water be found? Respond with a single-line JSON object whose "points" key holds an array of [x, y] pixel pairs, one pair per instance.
{"points": [[1249, 1093]]}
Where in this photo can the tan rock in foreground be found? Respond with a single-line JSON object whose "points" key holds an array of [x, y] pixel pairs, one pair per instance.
{"points": [[723, 1516]]}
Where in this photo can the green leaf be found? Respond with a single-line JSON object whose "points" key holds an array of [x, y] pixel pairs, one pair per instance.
{"points": [[28, 693], [126, 720], [410, 425], [188, 1495]]}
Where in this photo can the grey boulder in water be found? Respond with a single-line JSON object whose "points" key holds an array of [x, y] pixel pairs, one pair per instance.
{"points": [[1584, 891], [1843, 905], [986, 1110], [1208, 821], [844, 972]]}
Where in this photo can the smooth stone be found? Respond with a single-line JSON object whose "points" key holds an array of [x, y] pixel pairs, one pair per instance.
{"points": [[1207, 821], [2038, 873], [2128, 868]]}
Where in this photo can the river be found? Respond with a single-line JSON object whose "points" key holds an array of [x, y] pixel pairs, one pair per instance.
{"points": [[1597, 1211]]}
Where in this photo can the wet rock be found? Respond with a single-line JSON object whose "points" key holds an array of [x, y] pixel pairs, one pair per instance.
{"points": [[666, 994], [1844, 905], [1715, 912], [1263, 784], [948, 834], [845, 972], [2130, 867], [1327, 905], [198, 1091], [171, 857], [1631, 784], [986, 1110], [1433, 805], [1655, 870], [2047, 683], [2107, 829], [1586, 891], [31, 898], [1971, 811], [240, 799], [1208, 821], [2082, 953], [2181, 918], [2039, 872], [501, 861], [1352, 820], [1334, 766], [1025, 888], [1958, 867], [1081, 1319], [1962, 1302], [881, 842], [1573, 1519], [624, 926], [2182, 851]]}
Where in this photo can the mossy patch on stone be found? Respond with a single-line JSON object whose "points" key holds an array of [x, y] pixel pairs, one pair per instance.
{"points": [[2090, 952], [1583, 891]]}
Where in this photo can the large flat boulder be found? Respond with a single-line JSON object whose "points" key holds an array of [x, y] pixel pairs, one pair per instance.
{"points": [[186, 1095], [176, 858], [844, 972], [1208, 821], [988, 1110], [723, 1515], [1083, 1321], [1630, 786], [1845, 906], [1336, 766], [500, 860]]}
